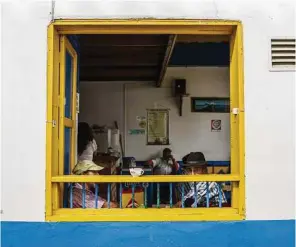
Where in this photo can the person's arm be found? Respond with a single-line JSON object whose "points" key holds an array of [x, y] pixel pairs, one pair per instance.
{"points": [[152, 163], [176, 164], [94, 145]]}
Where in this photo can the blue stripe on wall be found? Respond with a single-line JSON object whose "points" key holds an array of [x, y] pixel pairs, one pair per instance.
{"points": [[192, 234]]}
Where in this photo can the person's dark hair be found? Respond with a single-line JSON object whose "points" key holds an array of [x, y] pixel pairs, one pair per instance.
{"points": [[166, 152], [85, 136]]}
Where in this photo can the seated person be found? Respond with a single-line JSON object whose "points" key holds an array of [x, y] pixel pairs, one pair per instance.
{"points": [[165, 165], [86, 167], [214, 190], [87, 145]]}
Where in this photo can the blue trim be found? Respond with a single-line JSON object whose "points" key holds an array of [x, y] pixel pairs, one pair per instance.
{"points": [[68, 85], [218, 163], [209, 163], [190, 234], [74, 40]]}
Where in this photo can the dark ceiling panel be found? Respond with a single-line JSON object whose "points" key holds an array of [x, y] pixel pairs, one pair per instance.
{"points": [[121, 51], [121, 57], [200, 54], [150, 59], [123, 40], [141, 57], [119, 71], [120, 78]]}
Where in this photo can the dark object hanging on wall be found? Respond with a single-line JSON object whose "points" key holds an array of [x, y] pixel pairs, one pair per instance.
{"points": [[180, 92], [214, 104], [180, 87]]}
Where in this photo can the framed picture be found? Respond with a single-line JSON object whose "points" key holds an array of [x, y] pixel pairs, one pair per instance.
{"points": [[158, 127], [210, 104]]}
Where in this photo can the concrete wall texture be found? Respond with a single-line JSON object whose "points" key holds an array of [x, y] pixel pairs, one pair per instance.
{"points": [[270, 125]]}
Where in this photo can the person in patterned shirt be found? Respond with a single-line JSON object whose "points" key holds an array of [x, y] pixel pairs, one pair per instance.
{"points": [[196, 196], [90, 199]]}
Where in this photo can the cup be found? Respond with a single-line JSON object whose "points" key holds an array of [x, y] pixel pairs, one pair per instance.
{"points": [[136, 172]]}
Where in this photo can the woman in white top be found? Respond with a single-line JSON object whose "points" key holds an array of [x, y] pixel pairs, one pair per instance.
{"points": [[87, 145], [86, 149]]}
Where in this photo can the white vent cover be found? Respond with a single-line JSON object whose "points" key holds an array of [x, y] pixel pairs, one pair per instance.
{"points": [[283, 54]]}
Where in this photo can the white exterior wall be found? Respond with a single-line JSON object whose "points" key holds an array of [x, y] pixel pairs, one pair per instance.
{"points": [[269, 96]]}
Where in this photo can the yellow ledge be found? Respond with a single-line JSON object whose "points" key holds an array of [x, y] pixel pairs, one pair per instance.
{"points": [[146, 26], [148, 179], [142, 21], [164, 214]]}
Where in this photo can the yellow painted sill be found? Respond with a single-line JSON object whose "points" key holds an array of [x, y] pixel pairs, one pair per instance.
{"points": [[151, 214]]}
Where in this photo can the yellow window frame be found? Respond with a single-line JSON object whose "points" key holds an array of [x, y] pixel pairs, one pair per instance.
{"points": [[54, 177]]}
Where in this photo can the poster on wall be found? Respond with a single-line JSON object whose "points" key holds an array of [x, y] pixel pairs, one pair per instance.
{"points": [[157, 126], [141, 122], [216, 125]]}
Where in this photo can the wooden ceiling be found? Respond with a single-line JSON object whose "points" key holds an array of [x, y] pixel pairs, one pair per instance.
{"points": [[124, 57], [141, 57]]}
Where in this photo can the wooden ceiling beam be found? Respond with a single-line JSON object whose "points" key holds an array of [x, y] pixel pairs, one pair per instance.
{"points": [[115, 50], [123, 40], [124, 72], [166, 59], [121, 61], [117, 78], [122, 67]]}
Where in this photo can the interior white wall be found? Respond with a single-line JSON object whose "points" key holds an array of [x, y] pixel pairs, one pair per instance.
{"points": [[102, 104], [189, 132], [269, 96]]}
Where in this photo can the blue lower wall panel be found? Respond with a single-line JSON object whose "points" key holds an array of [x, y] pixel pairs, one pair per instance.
{"points": [[205, 234]]}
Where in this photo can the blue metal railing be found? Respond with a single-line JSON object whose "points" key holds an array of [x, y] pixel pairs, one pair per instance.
{"points": [[186, 194]]}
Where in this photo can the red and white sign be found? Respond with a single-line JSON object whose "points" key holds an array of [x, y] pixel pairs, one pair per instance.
{"points": [[216, 125]]}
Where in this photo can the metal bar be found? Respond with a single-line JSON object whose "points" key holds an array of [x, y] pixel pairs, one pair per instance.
{"points": [[182, 198], [208, 196], [148, 179], [96, 194], [71, 195], [109, 194], [65, 196], [83, 195], [158, 195], [220, 195], [133, 195], [195, 195], [171, 195], [145, 196], [120, 195]]}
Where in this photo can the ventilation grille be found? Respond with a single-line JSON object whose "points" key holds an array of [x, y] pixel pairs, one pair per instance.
{"points": [[283, 54]]}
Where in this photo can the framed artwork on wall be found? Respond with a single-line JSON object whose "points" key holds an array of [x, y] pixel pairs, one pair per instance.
{"points": [[158, 127], [210, 104]]}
